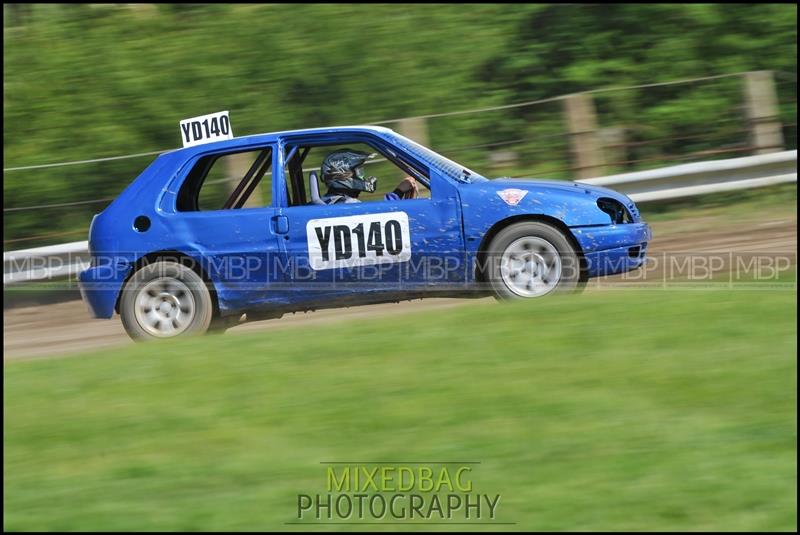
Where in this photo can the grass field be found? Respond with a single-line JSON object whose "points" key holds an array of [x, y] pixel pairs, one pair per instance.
{"points": [[628, 410]]}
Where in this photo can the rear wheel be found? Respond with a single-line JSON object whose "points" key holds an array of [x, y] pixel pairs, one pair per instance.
{"points": [[531, 259], [163, 300]]}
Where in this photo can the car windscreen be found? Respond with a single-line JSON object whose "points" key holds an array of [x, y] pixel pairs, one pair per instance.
{"points": [[450, 168]]}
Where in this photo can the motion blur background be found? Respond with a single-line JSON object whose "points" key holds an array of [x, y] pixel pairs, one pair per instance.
{"points": [[83, 82], [663, 409]]}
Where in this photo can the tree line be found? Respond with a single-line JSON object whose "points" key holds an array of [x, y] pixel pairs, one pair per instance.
{"points": [[88, 81]]}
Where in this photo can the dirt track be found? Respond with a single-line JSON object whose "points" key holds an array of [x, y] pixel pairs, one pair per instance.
{"points": [[65, 328]]}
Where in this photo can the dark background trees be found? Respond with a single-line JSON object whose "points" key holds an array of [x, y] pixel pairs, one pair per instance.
{"points": [[90, 81]]}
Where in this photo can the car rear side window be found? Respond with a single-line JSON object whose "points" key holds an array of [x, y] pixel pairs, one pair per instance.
{"points": [[228, 181]]}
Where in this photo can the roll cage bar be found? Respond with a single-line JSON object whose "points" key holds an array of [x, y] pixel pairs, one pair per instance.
{"points": [[250, 180]]}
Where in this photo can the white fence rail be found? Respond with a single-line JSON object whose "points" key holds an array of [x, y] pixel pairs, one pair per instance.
{"points": [[691, 179], [68, 259], [44, 263]]}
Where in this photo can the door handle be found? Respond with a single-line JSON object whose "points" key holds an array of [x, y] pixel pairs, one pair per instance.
{"points": [[281, 224]]}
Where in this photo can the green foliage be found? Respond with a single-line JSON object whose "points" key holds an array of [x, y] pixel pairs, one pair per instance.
{"points": [[89, 81], [558, 49]]}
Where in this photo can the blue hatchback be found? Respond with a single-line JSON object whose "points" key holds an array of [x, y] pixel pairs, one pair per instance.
{"points": [[209, 233]]}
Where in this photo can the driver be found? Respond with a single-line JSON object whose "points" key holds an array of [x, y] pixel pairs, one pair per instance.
{"points": [[343, 174]]}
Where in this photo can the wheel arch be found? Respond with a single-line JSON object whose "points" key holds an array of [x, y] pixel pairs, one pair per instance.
{"points": [[480, 275], [176, 256]]}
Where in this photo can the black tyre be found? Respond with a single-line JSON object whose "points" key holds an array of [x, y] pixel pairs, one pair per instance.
{"points": [[163, 300], [531, 259]]}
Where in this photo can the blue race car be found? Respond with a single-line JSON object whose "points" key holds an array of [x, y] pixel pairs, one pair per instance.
{"points": [[210, 234]]}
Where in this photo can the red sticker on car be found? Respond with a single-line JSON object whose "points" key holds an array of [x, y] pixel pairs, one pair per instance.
{"points": [[512, 196]]}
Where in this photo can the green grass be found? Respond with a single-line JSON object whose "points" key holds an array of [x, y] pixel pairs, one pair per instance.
{"points": [[624, 410]]}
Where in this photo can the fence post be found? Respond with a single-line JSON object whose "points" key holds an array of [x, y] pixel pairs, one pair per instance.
{"points": [[415, 128], [761, 109], [587, 157]]}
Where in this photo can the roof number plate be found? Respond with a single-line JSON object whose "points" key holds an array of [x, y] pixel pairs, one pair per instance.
{"points": [[206, 129]]}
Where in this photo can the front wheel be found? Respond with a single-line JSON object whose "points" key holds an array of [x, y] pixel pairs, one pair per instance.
{"points": [[531, 259], [163, 300]]}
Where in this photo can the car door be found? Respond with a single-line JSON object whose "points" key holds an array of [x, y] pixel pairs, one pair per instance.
{"points": [[354, 251], [238, 244]]}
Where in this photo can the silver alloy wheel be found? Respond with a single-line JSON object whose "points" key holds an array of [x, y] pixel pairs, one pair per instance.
{"points": [[530, 266], [164, 307]]}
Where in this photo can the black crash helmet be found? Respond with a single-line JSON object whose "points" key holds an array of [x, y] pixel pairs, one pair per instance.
{"points": [[342, 171]]}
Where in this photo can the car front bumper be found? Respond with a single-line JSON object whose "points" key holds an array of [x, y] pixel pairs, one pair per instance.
{"points": [[613, 249]]}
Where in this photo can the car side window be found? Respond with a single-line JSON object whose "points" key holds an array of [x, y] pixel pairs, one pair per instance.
{"points": [[228, 181], [302, 159]]}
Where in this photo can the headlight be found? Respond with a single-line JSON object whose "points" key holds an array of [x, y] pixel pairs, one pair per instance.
{"points": [[615, 210]]}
